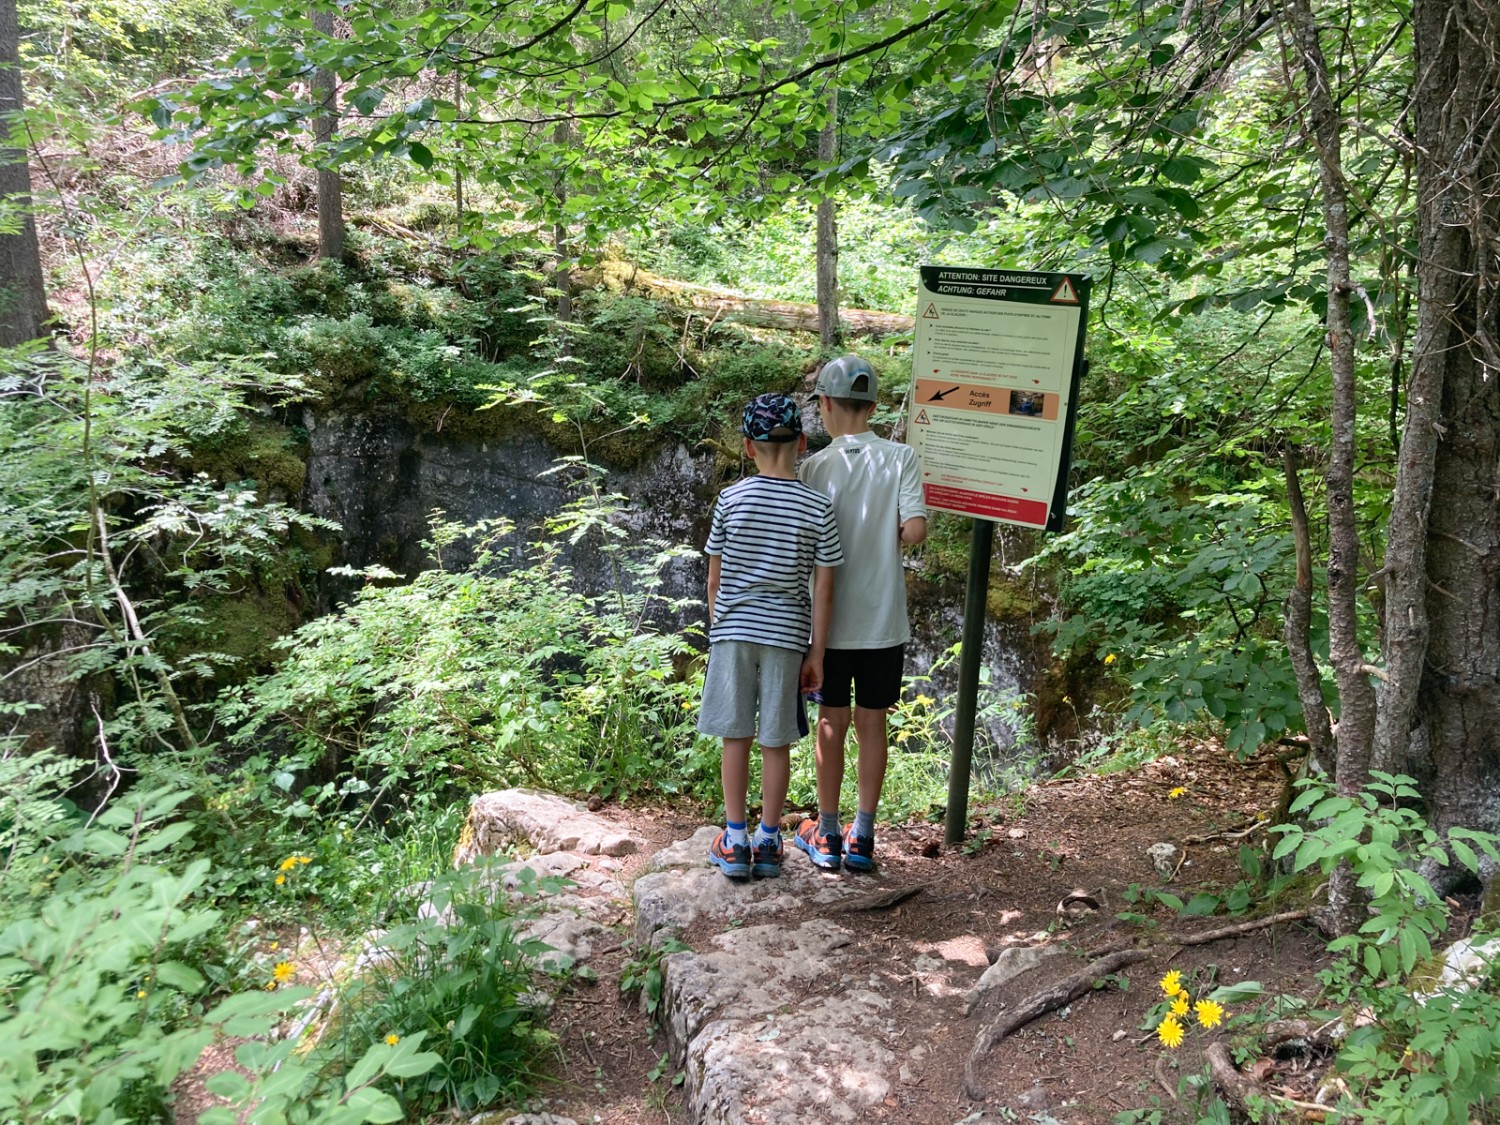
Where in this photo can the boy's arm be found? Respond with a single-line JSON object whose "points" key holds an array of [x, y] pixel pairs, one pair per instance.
{"points": [[911, 505], [822, 610], [713, 584]]}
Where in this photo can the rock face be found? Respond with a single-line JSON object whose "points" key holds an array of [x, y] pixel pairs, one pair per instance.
{"points": [[381, 478]]}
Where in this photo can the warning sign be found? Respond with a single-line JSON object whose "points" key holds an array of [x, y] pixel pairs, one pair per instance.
{"points": [[993, 423]]}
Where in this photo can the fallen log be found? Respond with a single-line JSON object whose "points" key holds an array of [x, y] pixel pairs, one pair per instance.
{"points": [[1039, 1003], [788, 316]]}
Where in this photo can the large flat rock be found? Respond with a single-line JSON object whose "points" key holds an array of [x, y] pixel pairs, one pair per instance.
{"points": [[751, 1052], [542, 821], [684, 887]]}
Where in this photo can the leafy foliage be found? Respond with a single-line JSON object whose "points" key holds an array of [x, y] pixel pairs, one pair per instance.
{"points": [[1429, 1053]]}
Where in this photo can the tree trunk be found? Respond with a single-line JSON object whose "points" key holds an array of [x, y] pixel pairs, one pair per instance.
{"points": [[828, 239], [330, 183], [562, 133], [1356, 725], [23, 295], [1455, 592]]}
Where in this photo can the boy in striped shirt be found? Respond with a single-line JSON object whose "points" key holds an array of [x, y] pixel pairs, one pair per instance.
{"points": [[770, 534]]}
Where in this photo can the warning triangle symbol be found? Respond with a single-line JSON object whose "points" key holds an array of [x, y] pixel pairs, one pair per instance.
{"points": [[1065, 294], [932, 313], [921, 418]]}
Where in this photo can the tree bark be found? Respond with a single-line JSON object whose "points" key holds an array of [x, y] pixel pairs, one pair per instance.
{"points": [[562, 133], [1446, 620], [1357, 704], [829, 333], [330, 183], [23, 294], [1296, 630]]}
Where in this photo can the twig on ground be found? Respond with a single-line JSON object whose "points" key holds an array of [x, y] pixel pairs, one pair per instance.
{"points": [[1053, 996], [1209, 837], [1236, 930], [1161, 1078], [1203, 937]]}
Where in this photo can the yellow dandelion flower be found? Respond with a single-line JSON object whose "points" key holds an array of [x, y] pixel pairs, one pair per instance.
{"points": [[1180, 1005], [284, 971], [1171, 984], [270, 986], [280, 879], [304, 859], [1110, 659], [1169, 1031], [1068, 699], [393, 1039], [1209, 1012], [140, 994], [925, 701], [1174, 794], [275, 945]]}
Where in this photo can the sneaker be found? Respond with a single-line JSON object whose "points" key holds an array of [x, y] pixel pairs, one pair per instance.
{"points": [[732, 859], [824, 850], [768, 859], [859, 851]]}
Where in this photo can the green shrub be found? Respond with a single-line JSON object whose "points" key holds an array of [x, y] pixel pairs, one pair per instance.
{"points": [[461, 977], [1425, 1052], [101, 1001]]}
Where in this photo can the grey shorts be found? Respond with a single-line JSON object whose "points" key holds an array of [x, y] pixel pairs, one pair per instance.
{"points": [[742, 675]]}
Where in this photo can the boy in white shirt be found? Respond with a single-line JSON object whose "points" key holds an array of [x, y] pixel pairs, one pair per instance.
{"points": [[876, 490]]}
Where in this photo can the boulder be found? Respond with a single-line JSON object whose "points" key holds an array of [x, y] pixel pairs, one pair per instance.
{"points": [[542, 821]]}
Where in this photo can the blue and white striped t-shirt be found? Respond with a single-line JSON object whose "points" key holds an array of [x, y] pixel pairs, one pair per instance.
{"points": [[769, 533]]}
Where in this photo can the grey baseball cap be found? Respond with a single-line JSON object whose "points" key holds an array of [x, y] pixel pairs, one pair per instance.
{"points": [[847, 377]]}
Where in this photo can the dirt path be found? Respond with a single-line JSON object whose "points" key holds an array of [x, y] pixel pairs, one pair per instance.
{"points": [[900, 1057]]}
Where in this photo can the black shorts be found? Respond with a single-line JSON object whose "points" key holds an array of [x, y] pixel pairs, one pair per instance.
{"points": [[875, 672]]}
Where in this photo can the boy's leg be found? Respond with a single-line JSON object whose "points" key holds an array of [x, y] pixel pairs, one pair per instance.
{"points": [[877, 686], [870, 736], [775, 777], [729, 693], [833, 733], [823, 839], [734, 772], [730, 851]]}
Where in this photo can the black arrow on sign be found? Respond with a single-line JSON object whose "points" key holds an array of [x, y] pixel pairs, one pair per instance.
{"points": [[938, 395]]}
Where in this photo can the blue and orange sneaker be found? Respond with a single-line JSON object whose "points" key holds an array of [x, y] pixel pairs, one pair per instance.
{"points": [[823, 849], [732, 859], [859, 851], [768, 859]]}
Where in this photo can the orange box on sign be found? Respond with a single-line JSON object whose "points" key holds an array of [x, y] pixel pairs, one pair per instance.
{"points": [[988, 400]]}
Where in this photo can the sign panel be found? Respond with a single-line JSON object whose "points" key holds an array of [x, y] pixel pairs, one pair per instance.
{"points": [[996, 367]]}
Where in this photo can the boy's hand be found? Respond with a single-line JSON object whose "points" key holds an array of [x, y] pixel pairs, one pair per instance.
{"points": [[812, 673]]}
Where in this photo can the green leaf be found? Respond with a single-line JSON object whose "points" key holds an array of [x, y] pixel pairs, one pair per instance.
{"points": [[179, 976], [374, 1105], [420, 154]]}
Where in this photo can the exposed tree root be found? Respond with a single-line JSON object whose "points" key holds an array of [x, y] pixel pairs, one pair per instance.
{"points": [[1039, 1003], [1238, 1089]]}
